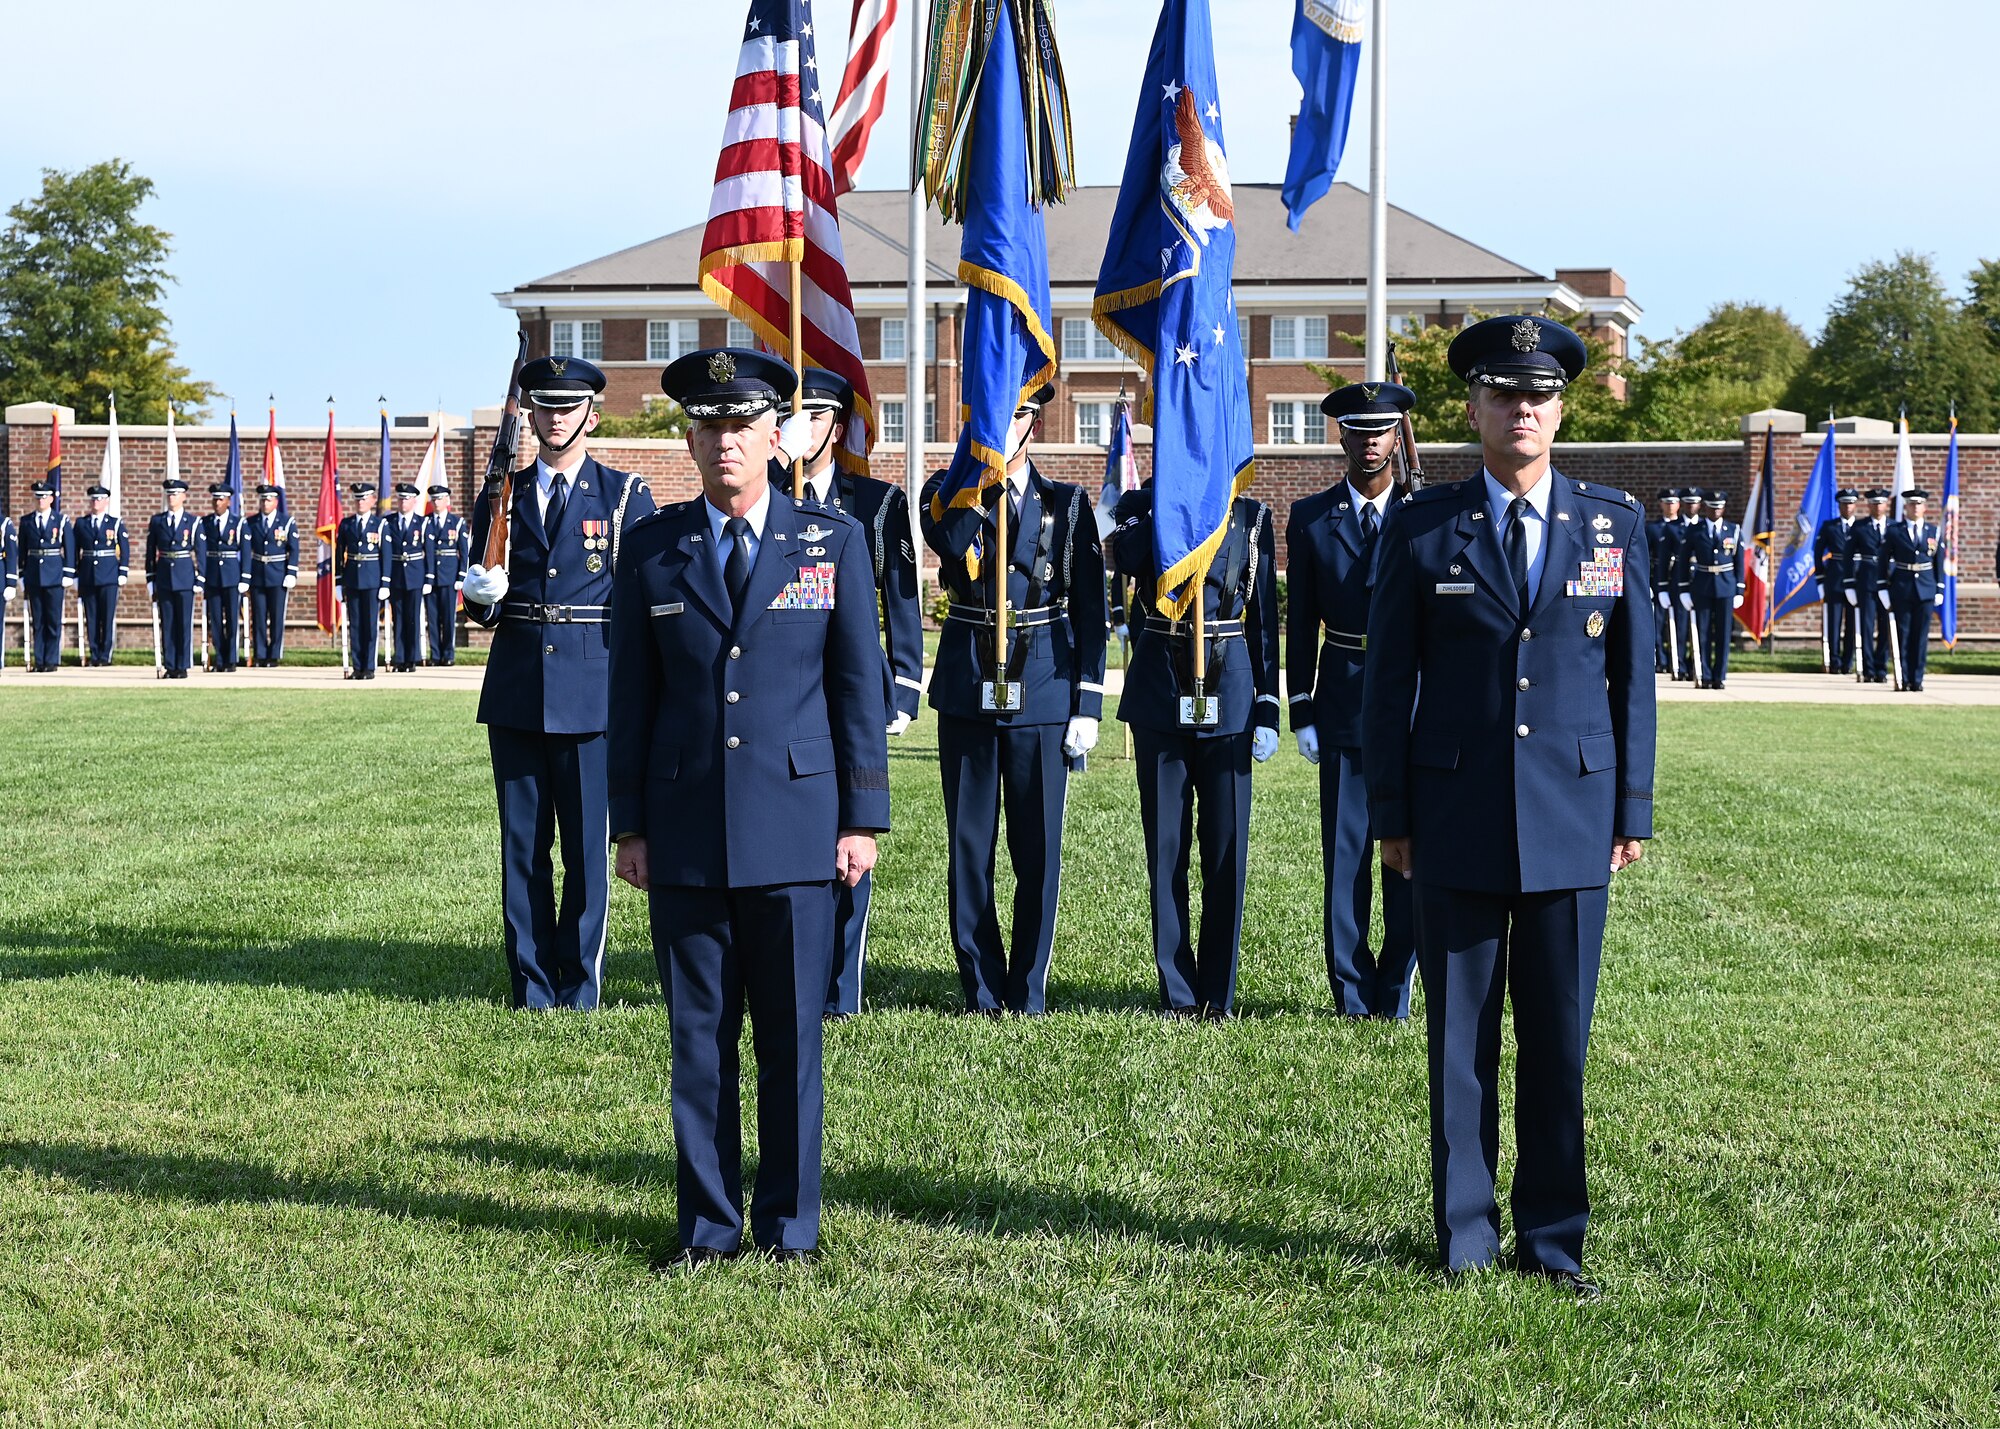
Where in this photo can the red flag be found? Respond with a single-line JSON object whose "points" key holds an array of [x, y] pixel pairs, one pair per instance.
{"points": [[862, 88], [326, 524], [773, 205], [1755, 612]]}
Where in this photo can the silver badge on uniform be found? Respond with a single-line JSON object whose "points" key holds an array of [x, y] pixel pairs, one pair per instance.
{"points": [[1600, 523], [814, 532], [593, 563]]}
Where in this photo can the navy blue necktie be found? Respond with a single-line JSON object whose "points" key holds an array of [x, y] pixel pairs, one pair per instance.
{"points": [[736, 570], [1517, 550], [558, 498]]}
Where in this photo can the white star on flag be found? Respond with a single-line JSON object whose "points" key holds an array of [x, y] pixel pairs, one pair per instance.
{"points": [[811, 63], [815, 96], [755, 24], [1218, 334], [1213, 112], [1173, 90], [1185, 355], [806, 30]]}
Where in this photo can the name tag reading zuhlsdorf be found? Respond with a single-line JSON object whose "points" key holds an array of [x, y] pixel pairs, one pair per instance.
{"points": [[1455, 588]]}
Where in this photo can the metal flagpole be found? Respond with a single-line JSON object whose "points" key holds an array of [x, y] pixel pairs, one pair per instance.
{"points": [[914, 354], [1378, 200]]}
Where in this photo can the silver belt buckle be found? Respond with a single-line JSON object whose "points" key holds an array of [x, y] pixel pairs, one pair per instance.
{"points": [[1000, 696], [1200, 711]]}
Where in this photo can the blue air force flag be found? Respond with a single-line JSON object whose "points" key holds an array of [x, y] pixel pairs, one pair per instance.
{"points": [[1326, 57], [1164, 297], [1798, 586]]}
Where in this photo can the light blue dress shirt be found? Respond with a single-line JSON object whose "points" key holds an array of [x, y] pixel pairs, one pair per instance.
{"points": [[1536, 519]]}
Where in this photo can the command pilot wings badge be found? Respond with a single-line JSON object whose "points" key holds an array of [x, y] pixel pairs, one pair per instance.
{"points": [[814, 532]]}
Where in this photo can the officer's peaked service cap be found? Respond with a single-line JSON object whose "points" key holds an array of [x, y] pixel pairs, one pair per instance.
{"points": [[1368, 406], [825, 391], [269, 489], [1916, 493], [218, 488], [1847, 493], [1668, 493], [439, 491], [97, 490], [1519, 353], [560, 382], [721, 382], [1037, 399], [1878, 493], [360, 488]]}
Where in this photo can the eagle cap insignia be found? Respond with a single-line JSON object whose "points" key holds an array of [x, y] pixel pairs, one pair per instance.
{"points": [[1371, 390], [558, 365], [721, 367], [1527, 335]]}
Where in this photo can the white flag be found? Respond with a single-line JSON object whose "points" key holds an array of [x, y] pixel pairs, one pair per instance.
{"points": [[111, 472], [1906, 472]]}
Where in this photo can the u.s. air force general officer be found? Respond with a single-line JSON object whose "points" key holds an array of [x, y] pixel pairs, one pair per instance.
{"points": [[1507, 732], [750, 770]]}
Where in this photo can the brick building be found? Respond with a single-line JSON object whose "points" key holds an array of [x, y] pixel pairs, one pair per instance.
{"points": [[1296, 294]]}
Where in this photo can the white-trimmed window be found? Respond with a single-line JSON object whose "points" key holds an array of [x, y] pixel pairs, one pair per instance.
{"points": [[1093, 423], [1082, 342], [895, 346], [889, 412], [740, 335], [1294, 422], [671, 338], [1299, 338], [1243, 335], [583, 339]]}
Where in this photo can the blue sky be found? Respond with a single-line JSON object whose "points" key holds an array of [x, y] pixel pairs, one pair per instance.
{"points": [[348, 186]]}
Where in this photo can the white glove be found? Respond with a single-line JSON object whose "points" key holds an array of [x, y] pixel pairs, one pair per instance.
{"points": [[291, 581], [382, 594], [1081, 736], [243, 587], [1308, 738], [900, 723], [794, 437], [1263, 743], [1687, 601], [1853, 599], [427, 587], [1938, 599], [484, 587], [1736, 604], [1883, 596], [458, 584], [339, 594], [69, 582], [149, 591], [1124, 633], [123, 579], [1666, 600]]}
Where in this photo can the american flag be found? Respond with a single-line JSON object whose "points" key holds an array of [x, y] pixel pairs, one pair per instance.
{"points": [[773, 205], [862, 88]]}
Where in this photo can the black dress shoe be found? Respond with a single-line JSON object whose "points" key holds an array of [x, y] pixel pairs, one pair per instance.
{"points": [[1568, 1280], [794, 1254], [694, 1258]]}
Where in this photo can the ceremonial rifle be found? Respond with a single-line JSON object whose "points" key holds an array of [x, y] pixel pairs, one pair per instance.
{"points": [[500, 464], [1409, 465]]}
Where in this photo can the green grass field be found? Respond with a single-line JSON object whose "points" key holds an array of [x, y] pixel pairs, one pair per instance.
{"points": [[273, 1151]]}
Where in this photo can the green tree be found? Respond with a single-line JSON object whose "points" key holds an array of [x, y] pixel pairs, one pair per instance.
{"points": [[1896, 339], [662, 417], [1591, 412], [1696, 385], [81, 283]]}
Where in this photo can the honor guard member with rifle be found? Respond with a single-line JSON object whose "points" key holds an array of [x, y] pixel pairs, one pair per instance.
{"points": [[271, 545], [407, 542], [1683, 611], [1508, 731], [1833, 568], [1911, 589], [1330, 539], [884, 516], [747, 734], [225, 582], [1012, 733], [103, 565], [362, 578], [451, 553], [1193, 740], [1714, 563], [1864, 585], [48, 568], [176, 558], [544, 700], [9, 579], [1663, 539]]}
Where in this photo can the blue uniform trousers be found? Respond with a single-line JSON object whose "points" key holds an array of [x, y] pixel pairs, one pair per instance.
{"points": [[267, 623], [1875, 636], [985, 765], [45, 625], [441, 611], [720, 950], [1663, 646], [850, 946], [1713, 619], [100, 619], [176, 609], [1195, 788], [225, 627], [1913, 639], [406, 620], [1840, 635], [550, 784], [1364, 983], [364, 628], [1477, 949]]}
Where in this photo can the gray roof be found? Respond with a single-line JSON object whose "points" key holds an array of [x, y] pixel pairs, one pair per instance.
{"points": [[1331, 248]]}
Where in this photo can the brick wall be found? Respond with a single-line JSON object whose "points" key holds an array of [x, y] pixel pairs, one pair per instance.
{"points": [[1284, 474]]}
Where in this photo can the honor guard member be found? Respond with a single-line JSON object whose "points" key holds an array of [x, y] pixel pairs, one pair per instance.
{"points": [[1193, 742], [225, 582], [271, 546], [544, 700], [48, 568], [1832, 567], [747, 734], [1663, 539], [1052, 690], [1330, 539], [360, 561], [103, 565], [1864, 585], [451, 553], [1714, 587], [1683, 598], [176, 556], [1508, 731], [407, 541], [884, 515], [1910, 587], [9, 577]]}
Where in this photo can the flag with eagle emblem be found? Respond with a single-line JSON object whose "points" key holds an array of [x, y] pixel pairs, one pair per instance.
{"points": [[1164, 297]]}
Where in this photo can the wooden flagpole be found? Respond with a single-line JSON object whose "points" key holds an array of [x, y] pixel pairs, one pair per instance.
{"points": [[799, 369]]}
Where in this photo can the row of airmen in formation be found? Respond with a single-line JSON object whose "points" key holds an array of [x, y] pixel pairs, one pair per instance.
{"points": [[699, 683], [409, 563]]}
